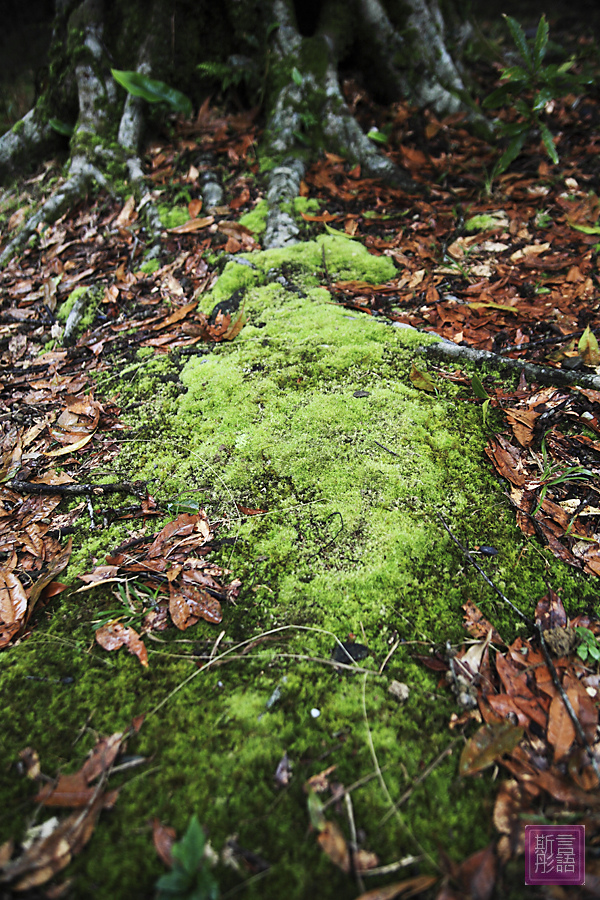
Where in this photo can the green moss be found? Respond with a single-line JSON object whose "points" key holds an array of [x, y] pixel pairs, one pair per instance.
{"points": [[150, 266], [306, 205], [347, 541], [256, 219], [171, 217], [62, 313], [495, 221]]}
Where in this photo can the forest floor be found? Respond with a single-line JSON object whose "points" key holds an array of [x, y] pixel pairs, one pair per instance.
{"points": [[249, 469]]}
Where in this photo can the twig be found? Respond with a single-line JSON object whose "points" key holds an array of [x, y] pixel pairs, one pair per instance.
{"points": [[383, 784], [266, 634], [387, 449], [393, 867], [439, 758], [388, 657], [352, 787], [565, 699], [448, 350], [485, 577], [353, 841], [136, 488], [542, 342]]}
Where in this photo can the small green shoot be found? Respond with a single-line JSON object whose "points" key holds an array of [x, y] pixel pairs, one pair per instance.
{"points": [[589, 648], [481, 393], [134, 603], [190, 878]]}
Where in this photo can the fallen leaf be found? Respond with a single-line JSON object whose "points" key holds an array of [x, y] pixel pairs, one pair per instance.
{"points": [[421, 380], [163, 837], [488, 745], [333, 843], [409, 888], [115, 635]]}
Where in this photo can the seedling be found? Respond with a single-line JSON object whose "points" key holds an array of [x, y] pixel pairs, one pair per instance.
{"points": [[589, 648], [190, 878], [549, 479], [134, 603], [531, 89]]}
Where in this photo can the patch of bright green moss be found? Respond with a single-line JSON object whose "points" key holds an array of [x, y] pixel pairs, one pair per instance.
{"points": [[172, 216], [62, 313], [150, 266], [306, 205], [495, 221], [256, 219]]}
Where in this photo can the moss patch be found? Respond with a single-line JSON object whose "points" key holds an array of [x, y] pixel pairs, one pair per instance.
{"points": [[256, 219], [310, 417], [173, 216]]}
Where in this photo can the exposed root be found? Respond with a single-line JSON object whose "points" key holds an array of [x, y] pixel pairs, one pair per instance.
{"points": [[82, 176], [129, 137], [211, 189], [29, 140], [284, 185], [448, 350]]}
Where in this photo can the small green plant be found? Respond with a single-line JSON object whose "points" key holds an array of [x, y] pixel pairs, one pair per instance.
{"points": [[231, 74], [153, 91], [134, 603], [190, 878], [551, 476], [589, 648], [530, 88]]}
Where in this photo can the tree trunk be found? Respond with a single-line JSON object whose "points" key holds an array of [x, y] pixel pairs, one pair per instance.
{"points": [[288, 54]]}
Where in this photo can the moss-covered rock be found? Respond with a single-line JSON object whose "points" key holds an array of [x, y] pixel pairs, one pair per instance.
{"points": [[310, 419]]}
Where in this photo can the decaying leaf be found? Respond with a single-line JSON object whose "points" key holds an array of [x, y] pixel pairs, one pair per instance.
{"points": [[421, 380], [488, 745], [115, 635], [411, 887], [333, 843]]}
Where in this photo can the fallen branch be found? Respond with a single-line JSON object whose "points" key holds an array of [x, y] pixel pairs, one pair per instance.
{"points": [[136, 488], [448, 350]]}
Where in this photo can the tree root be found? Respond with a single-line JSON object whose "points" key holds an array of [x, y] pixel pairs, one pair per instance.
{"points": [[97, 93], [449, 351]]}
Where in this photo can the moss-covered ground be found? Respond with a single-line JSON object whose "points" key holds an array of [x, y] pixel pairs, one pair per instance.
{"points": [[292, 418]]}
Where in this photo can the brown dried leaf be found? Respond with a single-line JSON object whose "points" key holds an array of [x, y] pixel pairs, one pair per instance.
{"points": [[408, 888], [115, 635], [488, 745], [477, 625], [13, 600], [561, 731], [163, 837], [49, 855], [550, 612], [333, 843]]}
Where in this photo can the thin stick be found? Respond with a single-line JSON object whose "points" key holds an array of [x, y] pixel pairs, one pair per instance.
{"points": [[441, 756], [217, 659], [353, 841], [384, 786], [388, 657], [485, 577]]}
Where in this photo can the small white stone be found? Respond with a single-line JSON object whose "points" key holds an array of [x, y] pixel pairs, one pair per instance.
{"points": [[399, 690], [315, 713]]}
